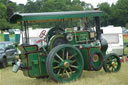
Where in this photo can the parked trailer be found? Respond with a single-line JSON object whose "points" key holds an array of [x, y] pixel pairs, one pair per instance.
{"points": [[114, 37], [68, 52]]}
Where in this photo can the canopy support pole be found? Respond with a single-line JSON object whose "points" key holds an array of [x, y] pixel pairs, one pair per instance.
{"points": [[98, 31], [26, 33], [22, 31]]}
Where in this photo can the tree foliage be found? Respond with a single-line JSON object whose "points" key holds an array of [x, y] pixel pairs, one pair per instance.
{"points": [[61, 5], [6, 10], [3, 16], [115, 14], [121, 12], [107, 13]]}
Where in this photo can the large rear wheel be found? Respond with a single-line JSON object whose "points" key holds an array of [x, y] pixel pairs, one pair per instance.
{"points": [[64, 63]]}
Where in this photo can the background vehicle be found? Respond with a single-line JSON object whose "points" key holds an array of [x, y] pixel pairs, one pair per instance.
{"points": [[67, 51], [34, 36], [7, 53], [114, 37], [13, 31]]}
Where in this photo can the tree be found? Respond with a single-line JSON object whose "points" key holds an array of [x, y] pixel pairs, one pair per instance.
{"points": [[126, 25], [121, 12], [105, 20], [20, 8], [32, 6], [12, 5], [86, 6], [4, 24], [3, 11], [3, 16], [63, 5]]}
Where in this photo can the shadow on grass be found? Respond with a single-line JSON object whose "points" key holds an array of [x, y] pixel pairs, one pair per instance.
{"points": [[93, 74], [22, 80], [85, 74]]}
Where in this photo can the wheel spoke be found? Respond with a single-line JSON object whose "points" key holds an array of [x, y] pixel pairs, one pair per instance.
{"points": [[56, 61], [58, 71], [67, 74], [115, 66], [59, 57], [70, 70], [108, 64], [110, 60], [56, 67], [74, 61], [63, 72], [112, 68], [115, 60], [74, 66], [72, 55]]}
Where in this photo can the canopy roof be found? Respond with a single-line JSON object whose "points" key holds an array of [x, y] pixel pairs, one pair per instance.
{"points": [[53, 16]]}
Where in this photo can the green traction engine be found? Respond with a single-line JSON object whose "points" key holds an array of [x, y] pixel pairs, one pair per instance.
{"points": [[66, 52]]}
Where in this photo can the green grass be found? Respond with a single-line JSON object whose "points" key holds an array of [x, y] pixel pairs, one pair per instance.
{"points": [[7, 77], [126, 50], [125, 41], [1, 37], [12, 35]]}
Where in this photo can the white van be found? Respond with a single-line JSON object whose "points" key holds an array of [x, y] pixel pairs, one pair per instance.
{"points": [[114, 37]]}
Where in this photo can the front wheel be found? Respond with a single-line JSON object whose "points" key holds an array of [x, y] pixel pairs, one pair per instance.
{"points": [[112, 63], [64, 63]]}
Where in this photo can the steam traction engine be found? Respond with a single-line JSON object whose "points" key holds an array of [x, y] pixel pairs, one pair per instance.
{"points": [[66, 53]]}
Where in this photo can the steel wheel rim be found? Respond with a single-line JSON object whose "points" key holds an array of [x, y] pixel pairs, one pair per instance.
{"points": [[113, 64], [66, 64]]}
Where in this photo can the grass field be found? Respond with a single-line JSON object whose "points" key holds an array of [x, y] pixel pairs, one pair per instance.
{"points": [[7, 77], [1, 37]]}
